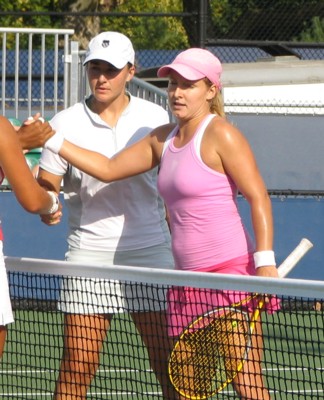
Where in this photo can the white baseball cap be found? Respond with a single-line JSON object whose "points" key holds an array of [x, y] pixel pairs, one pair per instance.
{"points": [[112, 47]]}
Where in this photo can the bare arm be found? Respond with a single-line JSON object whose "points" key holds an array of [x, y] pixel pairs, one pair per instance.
{"points": [[239, 162], [51, 182], [29, 194], [138, 158]]}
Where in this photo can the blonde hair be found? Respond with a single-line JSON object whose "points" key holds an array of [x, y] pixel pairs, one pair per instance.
{"points": [[216, 104]]}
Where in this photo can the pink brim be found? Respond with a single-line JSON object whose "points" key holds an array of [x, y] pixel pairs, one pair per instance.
{"points": [[183, 70]]}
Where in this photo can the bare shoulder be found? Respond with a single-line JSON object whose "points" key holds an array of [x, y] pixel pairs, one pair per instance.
{"points": [[222, 125], [224, 131], [158, 137], [160, 134], [163, 131]]}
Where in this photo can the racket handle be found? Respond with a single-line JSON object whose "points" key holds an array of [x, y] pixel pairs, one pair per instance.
{"points": [[293, 258]]}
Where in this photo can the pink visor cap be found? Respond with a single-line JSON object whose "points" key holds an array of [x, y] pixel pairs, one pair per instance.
{"points": [[194, 64]]}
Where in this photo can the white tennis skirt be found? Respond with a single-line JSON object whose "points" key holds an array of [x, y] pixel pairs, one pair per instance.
{"points": [[100, 296], [6, 316]]}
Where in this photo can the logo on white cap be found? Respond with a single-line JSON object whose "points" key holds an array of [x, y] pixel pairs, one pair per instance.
{"points": [[111, 47]]}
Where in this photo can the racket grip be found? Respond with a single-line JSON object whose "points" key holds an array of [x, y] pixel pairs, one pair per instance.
{"points": [[294, 257]]}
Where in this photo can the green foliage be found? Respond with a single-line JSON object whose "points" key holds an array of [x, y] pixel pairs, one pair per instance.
{"points": [[146, 32], [229, 19], [315, 33], [38, 21], [277, 20], [225, 13], [149, 32], [35, 21]]}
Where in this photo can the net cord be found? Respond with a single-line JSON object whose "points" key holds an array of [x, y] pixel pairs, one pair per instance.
{"points": [[279, 286]]}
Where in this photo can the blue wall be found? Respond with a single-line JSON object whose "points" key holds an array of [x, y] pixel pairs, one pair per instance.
{"points": [[288, 148], [25, 234], [295, 218]]}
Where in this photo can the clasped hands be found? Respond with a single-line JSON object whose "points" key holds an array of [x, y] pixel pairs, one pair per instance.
{"points": [[34, 132]]}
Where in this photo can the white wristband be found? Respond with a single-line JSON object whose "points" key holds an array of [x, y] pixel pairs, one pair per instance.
{"points": [[55, 142], [264, 258], [55, 203]]}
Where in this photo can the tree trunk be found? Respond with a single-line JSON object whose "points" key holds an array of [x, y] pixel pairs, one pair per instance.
{"points": [[88, 26]]}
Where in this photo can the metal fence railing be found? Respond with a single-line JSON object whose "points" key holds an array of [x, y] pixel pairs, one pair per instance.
{"points": [[48, 75], [44, 73], [34, 70]]}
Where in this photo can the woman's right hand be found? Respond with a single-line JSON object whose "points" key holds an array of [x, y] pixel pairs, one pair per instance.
{"points": [[34, 132], [52, 219]]}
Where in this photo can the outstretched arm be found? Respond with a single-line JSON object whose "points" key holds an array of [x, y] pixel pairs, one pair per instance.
{"points": [[136, 159], [131, 161], [29, 194]]}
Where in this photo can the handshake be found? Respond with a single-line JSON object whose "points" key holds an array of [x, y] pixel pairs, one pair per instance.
{"points": [[36, 132]]}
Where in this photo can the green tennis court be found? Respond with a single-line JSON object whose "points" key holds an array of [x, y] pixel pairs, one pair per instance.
{"points": [[31, 362], [30, 365], [294, 356]]}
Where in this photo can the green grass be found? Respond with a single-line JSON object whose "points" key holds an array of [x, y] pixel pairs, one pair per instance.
{"points": [[294, 349], [33, 352]]}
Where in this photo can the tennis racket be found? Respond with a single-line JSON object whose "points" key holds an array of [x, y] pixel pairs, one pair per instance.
{"points": [[213, 348]]}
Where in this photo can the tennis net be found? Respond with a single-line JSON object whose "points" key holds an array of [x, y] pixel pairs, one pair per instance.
{"points": [[41, 292]]}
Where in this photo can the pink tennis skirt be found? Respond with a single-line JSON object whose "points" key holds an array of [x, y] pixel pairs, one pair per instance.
{"points": [[185, 304]]}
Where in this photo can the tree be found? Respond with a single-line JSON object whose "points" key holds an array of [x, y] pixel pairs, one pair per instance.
{"points": [[85, 26], [276, 20], [314, 33], [22, 21], [27, 21], [191, 24], [149, 31], [252, 20], [145, 31]]}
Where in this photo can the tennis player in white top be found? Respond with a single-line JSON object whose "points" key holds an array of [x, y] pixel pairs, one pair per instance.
{"points": [[121, 223]]}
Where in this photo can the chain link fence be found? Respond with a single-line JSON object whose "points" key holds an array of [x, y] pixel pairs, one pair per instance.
{"points": [[236, 30]]}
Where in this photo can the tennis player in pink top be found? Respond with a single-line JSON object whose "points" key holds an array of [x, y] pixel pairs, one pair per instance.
{"points": [[204, 161]]}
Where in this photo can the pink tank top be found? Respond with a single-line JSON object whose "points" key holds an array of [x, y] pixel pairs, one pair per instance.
{"points": [[206, 227]]}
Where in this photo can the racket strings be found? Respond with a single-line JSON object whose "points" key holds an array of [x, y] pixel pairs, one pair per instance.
{"points": [[205, 359], [233, 342]]}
